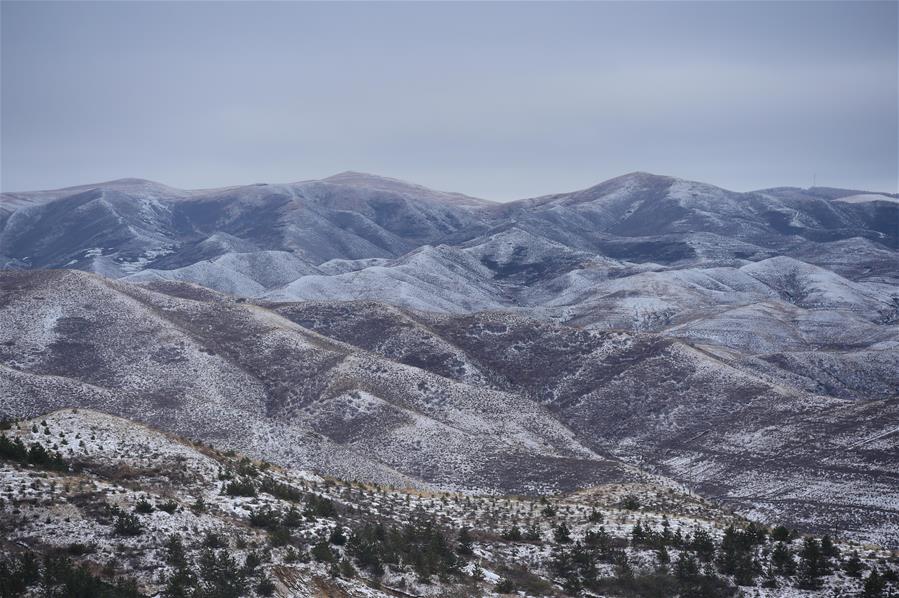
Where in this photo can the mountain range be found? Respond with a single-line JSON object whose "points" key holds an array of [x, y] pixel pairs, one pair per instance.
{"points": [[740, 346]]}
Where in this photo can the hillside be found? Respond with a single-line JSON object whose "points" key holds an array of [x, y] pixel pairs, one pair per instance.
{"points": [[134, 512], [481, 403], [647, 329]]}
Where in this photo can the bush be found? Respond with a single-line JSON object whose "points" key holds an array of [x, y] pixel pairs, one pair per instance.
{"points": [[127, 524], [214, 540], [504, 586], [279, 490], [319, 506], [322, 553], [280, 537], [169, 507], [265, 587], [241, 487], [337, 537], [630, 502], [265, 518]]}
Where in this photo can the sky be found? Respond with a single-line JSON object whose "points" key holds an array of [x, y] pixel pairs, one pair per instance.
{"points": [[499, 100]]}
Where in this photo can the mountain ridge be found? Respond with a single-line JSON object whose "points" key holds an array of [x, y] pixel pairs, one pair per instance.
{"points": [[745, 345]]}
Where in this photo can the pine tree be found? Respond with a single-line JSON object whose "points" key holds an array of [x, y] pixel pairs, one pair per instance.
{"points": [[782, 560], [464, 542], [811, 565], [686, 568], [337, 536], [854, 565], [702, 544], [874, 585], [562, 534], [637, 534], [782, 534], [663, 559], [828, 549]]}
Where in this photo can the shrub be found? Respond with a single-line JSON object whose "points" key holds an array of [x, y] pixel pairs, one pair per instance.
{"points": [[337, 536], [513, 534], [630, 502], [241, 487], [169, 507], [265, 587], [280, 537], [504, 586], [322, 553], [281, 491], [265, 518], [127, 524], [214, 540]]}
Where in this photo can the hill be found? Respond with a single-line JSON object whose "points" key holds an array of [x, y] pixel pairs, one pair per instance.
{"points": [[135, 512]]}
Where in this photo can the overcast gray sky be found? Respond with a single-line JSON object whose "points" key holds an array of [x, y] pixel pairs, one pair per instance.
{"points": [[499, 100]]}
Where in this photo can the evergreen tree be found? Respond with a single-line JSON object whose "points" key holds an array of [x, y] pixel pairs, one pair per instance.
{"points": [[322, 553], [220, 575], [874, 585], [828, 549], [854, 565], [562, 534], [737, 556], [337, 536], [703, 545], [782, 534], [686, 568], [663, 559], [782, 560], [811, 565], [464, 542], [638, 535]]}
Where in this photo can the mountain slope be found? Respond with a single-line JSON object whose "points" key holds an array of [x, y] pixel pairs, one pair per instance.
{"points": [[708, 420], [744, 344], [243, 374], [488, 402], [135, 512]]}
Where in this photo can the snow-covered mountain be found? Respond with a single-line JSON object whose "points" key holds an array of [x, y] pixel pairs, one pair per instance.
{"points": [[743, 344], [487, 402], [639, 252]]}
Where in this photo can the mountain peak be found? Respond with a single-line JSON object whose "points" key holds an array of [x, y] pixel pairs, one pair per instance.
{"points": [[639, 177], [382, 183]]}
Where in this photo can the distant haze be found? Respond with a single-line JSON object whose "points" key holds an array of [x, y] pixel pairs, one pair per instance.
{"points": [[497, 100]]}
